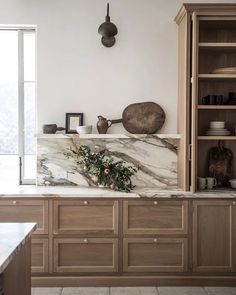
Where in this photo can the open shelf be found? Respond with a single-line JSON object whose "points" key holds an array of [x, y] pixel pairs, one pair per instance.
{"points": [[207, 137], [217, 76], [216, 107], [217, 46]]}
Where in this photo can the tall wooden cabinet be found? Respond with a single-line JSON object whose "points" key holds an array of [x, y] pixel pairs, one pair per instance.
{"points": [[207, 41]]}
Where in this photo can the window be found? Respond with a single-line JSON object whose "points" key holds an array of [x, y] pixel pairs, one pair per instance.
{"points": [[17, 106]]}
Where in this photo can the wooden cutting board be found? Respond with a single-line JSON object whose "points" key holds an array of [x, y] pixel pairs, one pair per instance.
{"points": [[143, 118]]}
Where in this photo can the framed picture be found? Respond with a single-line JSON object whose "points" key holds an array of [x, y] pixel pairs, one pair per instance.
{"points": [[72, 121]]}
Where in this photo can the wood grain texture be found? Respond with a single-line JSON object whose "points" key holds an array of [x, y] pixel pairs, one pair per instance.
{"points": [[73, 255], [39, 255], [16, 210], [212, 236], [184, 101], [155, 254], [86, 217], [155, 217], [16, 277]]}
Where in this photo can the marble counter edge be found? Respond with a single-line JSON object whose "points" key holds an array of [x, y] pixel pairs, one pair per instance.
{"points": [[133, 195], [13, 252], [105, 136]]}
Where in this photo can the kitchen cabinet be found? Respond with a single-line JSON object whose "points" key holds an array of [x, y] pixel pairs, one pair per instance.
{"points": [[86, 217], [18, 210], [155, 255], [214, 236], [85, 255], [155, 217]]}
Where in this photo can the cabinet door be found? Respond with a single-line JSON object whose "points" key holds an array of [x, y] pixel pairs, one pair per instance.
{"points": [[39, 255], [212, 236], [155, 255], [86, 217], [85, 255], [155, 217], [16, 210]]}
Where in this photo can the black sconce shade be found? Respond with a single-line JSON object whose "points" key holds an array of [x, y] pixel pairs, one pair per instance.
{"points": [[108, 30]]}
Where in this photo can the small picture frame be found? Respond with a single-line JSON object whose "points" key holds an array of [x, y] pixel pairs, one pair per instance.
{"points": [[72, 121]]}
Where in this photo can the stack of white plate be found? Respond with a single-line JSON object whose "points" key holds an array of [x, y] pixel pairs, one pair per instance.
{"points": [[217, 128]]}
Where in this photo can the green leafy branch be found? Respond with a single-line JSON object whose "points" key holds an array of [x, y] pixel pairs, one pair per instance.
{"points": [[104, 171]]}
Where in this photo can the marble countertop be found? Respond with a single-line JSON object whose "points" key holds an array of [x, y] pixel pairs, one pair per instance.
{"points": [[59, 191], [12, 237]]}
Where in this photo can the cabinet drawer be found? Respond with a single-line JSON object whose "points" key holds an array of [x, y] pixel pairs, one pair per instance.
{"points": [[39, 255], [155, 217], [25, 211], [155, 255], [85, 255], [86, 217]]}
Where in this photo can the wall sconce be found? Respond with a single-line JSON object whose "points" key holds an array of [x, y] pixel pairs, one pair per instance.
{"points": [[108, 30]]}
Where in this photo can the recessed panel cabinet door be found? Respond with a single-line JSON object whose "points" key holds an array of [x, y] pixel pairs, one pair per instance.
{"points": [[86, 217], [85, 255], [39, 255], [16, 210], [213, 234], [155, 255], [155, 217]]}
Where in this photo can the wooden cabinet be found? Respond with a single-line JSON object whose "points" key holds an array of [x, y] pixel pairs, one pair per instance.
{"points": [[39, 255], [16, 210], [85, 255], [207, 43], [155, 217], [86, 217], [155, 255], [214, 236]]}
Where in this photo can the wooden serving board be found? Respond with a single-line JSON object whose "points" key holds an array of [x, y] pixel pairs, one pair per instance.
{"points": [[143, 118]]}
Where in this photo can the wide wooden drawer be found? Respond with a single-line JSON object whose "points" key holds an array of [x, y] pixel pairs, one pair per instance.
{"points": [[155, 255], [86, 217], [39, 255], [85, 255], [15, 210], [155, 217]]}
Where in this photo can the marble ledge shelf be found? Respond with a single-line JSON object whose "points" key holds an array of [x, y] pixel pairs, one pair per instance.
{"points": [[104, 136]]}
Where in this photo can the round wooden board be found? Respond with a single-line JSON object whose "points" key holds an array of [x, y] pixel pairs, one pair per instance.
{"points": [[143, 118]]}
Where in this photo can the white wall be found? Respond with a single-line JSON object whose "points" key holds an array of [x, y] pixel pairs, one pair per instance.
{"points": [[77, 74]]}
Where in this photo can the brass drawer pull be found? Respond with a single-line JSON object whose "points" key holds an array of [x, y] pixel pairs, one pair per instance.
{"points": [[155, 203], [155, 240], [85, 241], [14, 202], [85, 202], [234, 203]]}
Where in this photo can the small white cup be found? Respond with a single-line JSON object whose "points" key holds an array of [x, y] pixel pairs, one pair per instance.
{"points": [[201, 183], [211, 182]]}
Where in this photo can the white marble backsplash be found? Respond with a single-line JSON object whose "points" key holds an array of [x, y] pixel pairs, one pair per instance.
{"points": [[155, 155]]}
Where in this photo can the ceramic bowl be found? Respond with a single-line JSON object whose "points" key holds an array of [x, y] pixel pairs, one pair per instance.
{"points": [[233, 183], [84, 129]]}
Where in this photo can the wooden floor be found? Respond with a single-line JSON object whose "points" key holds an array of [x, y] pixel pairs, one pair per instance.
{"points": [[136, 291]]}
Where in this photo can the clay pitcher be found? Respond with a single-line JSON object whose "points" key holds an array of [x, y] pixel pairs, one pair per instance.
{"points": [[103, 124]]}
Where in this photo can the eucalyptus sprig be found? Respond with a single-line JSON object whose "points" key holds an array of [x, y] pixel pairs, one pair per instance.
{"points": [[102, 170]]}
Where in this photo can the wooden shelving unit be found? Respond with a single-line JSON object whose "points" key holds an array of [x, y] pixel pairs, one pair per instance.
{"points": [[207, 41]]}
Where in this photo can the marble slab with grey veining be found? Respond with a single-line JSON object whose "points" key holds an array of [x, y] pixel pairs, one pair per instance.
{"points": [[155, 156], [12, 237]]}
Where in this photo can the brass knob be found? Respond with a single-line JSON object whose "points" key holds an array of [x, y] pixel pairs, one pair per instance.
{"points": [[85, 241], [155, 240], [234, 203], [85, 202], [14, 202], [155, 203]]}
